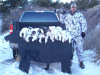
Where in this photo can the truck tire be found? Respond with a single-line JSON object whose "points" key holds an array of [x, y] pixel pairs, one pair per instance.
{"points": [[16, 54]]}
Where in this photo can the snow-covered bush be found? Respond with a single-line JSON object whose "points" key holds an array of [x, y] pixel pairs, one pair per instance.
{"points": [[92, 40], [97, 60], [14, 15]]}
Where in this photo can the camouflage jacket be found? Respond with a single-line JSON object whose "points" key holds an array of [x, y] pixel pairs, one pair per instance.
{"points": [[75, 24]]}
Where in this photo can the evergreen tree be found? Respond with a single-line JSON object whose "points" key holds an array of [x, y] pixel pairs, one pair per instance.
{"points": [[93, 3], [55, 4], [44, 3], [67, 5], [10, 4], [14, 3], [82, 4]]}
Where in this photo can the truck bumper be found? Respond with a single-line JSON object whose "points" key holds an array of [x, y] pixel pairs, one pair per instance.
{"points": [[13, 38]]}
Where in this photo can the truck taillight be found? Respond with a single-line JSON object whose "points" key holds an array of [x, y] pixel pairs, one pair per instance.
{"points": [[11, 29], [11, 26]]}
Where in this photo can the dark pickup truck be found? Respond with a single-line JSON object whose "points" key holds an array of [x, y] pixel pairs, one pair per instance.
{"points": [[51, 52]]}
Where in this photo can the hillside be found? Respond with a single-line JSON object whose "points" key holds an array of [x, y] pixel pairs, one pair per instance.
{"points": [[92, 39], [93, 16]]}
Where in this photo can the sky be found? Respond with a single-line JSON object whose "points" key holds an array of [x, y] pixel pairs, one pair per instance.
{"points": [[64, 1]]}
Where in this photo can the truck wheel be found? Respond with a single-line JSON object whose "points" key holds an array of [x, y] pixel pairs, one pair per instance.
{"points": [[16, 54]]}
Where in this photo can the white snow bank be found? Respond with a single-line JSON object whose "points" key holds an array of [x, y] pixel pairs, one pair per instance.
{"points": [[5, 50]]}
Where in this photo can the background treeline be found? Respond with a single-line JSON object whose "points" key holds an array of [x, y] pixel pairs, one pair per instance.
{"points": [[11, 4], [86, 4]]}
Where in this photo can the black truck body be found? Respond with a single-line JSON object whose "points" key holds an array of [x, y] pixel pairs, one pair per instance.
{"points": [[50, 52]]}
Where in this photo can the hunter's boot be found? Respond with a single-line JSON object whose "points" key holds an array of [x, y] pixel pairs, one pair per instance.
{"points": [[82, 66]]}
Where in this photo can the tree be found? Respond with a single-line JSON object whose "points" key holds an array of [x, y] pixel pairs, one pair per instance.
{"points": [[55, 4], [67, 5], [93, 3], [44, 3], [10, 4], [82, 4], [14, 3]]}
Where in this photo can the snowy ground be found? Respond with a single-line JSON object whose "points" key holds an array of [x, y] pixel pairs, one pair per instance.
{"points": [[8, 66]]}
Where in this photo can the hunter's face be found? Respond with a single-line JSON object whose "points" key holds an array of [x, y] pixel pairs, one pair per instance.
{"points": [[73, 9]]}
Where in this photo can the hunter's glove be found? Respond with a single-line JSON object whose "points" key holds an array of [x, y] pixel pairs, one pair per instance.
{"points": [[63, 12], [83, 34]]}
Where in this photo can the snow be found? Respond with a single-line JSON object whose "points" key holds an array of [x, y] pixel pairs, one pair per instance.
{"points": [[8, 66]]}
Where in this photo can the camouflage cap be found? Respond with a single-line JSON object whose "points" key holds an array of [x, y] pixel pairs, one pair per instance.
{"points": [[73, 5]]}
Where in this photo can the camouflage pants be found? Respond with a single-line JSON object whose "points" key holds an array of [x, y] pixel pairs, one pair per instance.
{"points": [[78, 46]]}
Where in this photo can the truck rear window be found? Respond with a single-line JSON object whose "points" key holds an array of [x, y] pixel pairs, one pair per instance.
{"points": [[38, 17]]}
